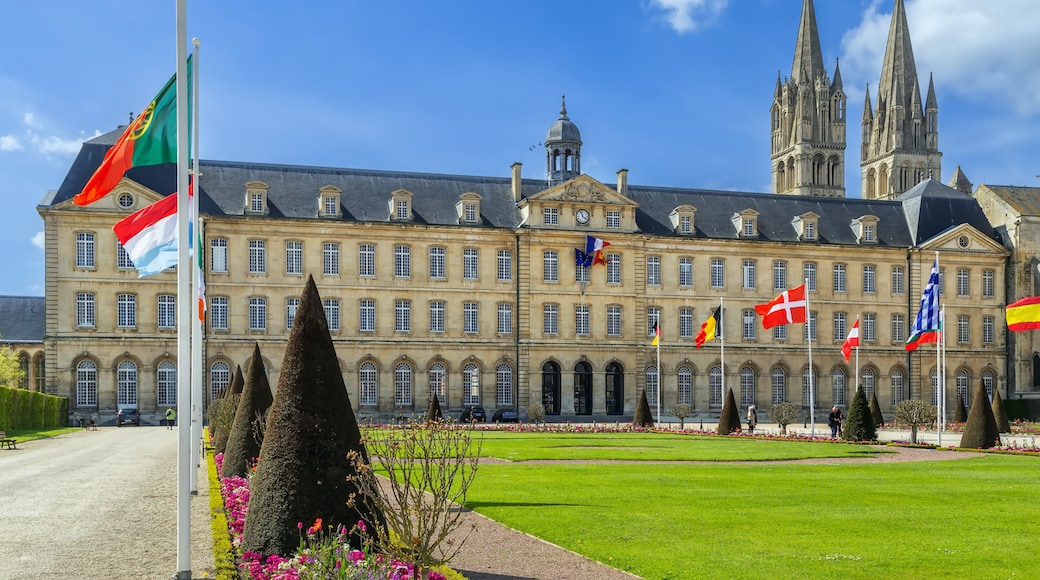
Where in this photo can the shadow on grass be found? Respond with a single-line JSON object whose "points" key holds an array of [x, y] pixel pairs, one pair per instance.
{"points": [[472, 505]]}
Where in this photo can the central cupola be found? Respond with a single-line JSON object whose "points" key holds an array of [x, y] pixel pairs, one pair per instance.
{"points": [[562, 148]]}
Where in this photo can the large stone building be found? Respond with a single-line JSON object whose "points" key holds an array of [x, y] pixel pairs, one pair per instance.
{"points": [[467, 287]]}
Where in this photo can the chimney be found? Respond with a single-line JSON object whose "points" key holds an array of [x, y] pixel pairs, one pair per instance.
{"points": [[516, 180], [622, 182]]}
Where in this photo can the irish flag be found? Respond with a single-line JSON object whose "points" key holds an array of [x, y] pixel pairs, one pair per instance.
{"points": [[150, 140], [149, 236]]}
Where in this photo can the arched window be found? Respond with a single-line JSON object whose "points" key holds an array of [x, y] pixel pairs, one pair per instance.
{"points": [[989, 381], [867, 383], [23, 367], [684, 384], [715, 387], [935, 389], [504, 385], [747, 386], [471, 385], [436, 378], [838, 387], [166, 381], [1036, 370], [653, 386], [810, 387], [40, 372], [779, 380], [219, 379], [962, 387], [126, 383], [403, 385], [368, 383], [898, 394], [86, 384]]}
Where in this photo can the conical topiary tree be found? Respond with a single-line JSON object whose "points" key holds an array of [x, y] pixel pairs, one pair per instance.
{"points": [[228, 410], [960, 413], [243, 444], [433, 413], [859, 424], [980, 430], [643, 417], [306, 469], [729, 419], [1000, 413], [875, 410]]}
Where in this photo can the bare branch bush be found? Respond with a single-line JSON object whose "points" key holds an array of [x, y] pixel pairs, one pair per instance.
{"points": [[681, 412], [914, 413], [536, 412], [783, 414], [428, 469]]}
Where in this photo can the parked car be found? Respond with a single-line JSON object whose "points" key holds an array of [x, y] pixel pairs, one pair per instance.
{"points": [[128, 415], [473, 414], [505, 416]]}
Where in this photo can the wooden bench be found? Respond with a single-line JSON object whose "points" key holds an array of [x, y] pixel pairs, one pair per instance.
{"points": [[5, 441]]}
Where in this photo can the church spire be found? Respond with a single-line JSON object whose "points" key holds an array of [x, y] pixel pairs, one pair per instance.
{"points": [[808, 58]]}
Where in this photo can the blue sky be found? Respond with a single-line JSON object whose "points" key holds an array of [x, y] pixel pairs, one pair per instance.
{"points": [[676, 91]]}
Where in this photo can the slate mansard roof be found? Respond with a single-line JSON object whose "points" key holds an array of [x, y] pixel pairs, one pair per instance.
{"points": [[22, 319], [919, 214]]}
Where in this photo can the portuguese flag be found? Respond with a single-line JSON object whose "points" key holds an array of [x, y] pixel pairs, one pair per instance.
{"points": [[150, 140]]}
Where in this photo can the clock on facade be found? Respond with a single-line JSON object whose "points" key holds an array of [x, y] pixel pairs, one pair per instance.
{"points": [[582, 216]]}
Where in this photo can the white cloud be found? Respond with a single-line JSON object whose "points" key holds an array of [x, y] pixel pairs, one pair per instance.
{"points": [[50, 144], [9, 143], [30, 120], [689, 15], [982, 51], [38, 240]]}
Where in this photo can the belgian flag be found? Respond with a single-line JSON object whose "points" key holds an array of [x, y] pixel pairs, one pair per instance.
{"points": [[708, 328]]}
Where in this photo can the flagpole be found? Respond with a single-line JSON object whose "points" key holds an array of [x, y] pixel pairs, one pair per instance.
{"points": [[940, 353], [183, 308], [196, 324], [660, 380], [938, 366], [858, 341], [812, 386], [722, 350]]}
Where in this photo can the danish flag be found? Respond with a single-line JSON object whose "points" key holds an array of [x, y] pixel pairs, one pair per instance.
{"points": [[787, 308]]}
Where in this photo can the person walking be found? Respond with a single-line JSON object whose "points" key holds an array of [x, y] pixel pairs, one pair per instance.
{"points": [[835, 419], [171, 416], [752, 418]]}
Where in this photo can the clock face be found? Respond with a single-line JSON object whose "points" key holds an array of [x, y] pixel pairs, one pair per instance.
{"points": [[583, 216]]}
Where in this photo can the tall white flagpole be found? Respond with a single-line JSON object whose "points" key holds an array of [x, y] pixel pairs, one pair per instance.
{"points": [[660, 379], [722, 351], [859, 340], [183, 308], [812, 386], [196, 324], [938, 364], [940, 360]]}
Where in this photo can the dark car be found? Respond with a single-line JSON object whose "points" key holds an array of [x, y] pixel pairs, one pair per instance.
{"points": [[505, 416], [473, 414], [128, 415]]}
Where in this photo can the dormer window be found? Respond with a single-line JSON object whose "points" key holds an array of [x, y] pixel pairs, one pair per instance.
{"points": [[551, 216], [866, 229], [468, 208], [256, 197], [806, 226], [328, 201], [401, 206], [868, 233], [810, 231], [682, 219], [746, 223]]}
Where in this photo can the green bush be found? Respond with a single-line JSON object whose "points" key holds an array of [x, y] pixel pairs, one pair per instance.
{"points": [[783, 414], [22, 409], [875, 410], [643, 417], [246, 436], [222, 426], [859, 425], [980, 431], [1000, 413], [729, 419], [914, 413], [433, 412], [960, 412]]}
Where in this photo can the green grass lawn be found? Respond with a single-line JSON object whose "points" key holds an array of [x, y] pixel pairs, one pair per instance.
{"points": [[968, 518], [23, 435]]}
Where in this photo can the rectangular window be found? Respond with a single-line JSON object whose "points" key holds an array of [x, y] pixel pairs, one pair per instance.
{"points": [[749, 274], [84, 250], [685, 272], [685, 224], [869, 327], [810, 327], [718, 273], [963, 330], [127, 305], [613, 219], [942, 281], [809, 275], [85, 310], [218, 248], [653, 318], [898, 280], [505, 265], [330, 205], [869, 279], [550, 319], [218, 312], [294, 257], [840, 329], [868, 233], [810, 230], [551, 216], [401, 209], [780, 332], [749, 227], [256, 202], [331, 306], [839, 277], [330, 259], [367, 316], [291, 306], [470, 213], [123, 261], [963, 283], [257, 256], [504, 385], [581, 320], [748, 324], [469, 264], [257, 313], [437, 316], [550, 266], [653, 270], [402, 316], [898, 328], [613, 268], [987, 284], [581, 273], [470, 321], [437, 262], [988, 336], [505, 318], [779, 275], [367, 261], [402, 262], [686, 323], [613, 320], [167, 311]]}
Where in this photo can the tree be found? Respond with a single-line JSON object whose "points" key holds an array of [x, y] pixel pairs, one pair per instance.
{"points": [[875, 410], [433, 412], [729, 418], [1000, 413], [859, 424], [960, 413], [243, 443], [536, 412], [783, 414], [681, 412], [914, 413], [980, 430], [305, 471], [11, 374], [221, 428], [643, 417]]}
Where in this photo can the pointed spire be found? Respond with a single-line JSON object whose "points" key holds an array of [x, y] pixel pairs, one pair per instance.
{"points": [[836, 85], [915, 102], [960, 182], [779, 90], [931, 103], [808, 58], [563, 107], [898, 72], [868, 112]]}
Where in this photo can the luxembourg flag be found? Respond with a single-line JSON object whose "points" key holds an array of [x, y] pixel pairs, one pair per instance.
{"points": [[149, 236]]}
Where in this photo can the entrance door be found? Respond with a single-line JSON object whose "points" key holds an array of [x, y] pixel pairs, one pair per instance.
{"points": [[615, 389], [551, 388], [582, 389]]}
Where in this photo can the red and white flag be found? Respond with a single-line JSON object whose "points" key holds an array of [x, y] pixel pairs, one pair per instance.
{"points": [[851, 342], [787, 308]]}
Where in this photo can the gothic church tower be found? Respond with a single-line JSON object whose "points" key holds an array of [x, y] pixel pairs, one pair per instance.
{"points": [[808, 121], [900, 143]]}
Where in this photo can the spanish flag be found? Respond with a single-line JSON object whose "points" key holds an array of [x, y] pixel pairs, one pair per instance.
{"points": [[657, 335], [708, 328], [1023, 314]]}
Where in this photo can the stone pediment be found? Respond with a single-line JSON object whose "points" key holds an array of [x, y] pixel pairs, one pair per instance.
{"points": [[141, 196], [963, 238], [582, 189]]}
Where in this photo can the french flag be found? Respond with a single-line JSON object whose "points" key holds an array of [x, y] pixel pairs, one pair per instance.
{"points": [[149, 236]]}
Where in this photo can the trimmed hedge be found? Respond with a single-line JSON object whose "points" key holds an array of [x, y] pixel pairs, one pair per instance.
{"points": [[22, 409]]}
